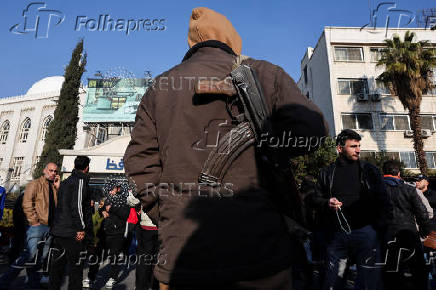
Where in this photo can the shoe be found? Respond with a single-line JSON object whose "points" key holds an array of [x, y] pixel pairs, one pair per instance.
{"points": [[86, 283], [110, 283]]}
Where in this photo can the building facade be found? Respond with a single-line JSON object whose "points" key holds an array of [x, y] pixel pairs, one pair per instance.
{"points": [[339, 75], [107, 113], [24, 120]]}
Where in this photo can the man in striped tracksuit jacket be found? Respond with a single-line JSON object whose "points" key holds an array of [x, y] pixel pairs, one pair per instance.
{"points": [[72, 222]]}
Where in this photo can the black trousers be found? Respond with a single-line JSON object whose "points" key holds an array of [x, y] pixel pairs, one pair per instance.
{"points": [[405, 254], [95, 257], [114, 247], [66, 251], [146, 258]]}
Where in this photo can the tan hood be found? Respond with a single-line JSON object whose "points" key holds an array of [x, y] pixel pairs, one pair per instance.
{"points": [[206, 24]]}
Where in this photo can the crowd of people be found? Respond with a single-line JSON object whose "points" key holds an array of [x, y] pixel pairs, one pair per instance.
{"points": [[350, 227], [357, 220], [376, 223], [66, 223]]}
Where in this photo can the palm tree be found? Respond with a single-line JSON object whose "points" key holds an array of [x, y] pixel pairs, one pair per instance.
{"points": [[408, 74]]}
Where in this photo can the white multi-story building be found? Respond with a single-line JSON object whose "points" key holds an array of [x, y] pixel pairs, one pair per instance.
{"points": [[23, 124], [339, 75]]}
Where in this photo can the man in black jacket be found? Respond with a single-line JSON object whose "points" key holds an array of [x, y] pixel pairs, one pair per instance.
{"points": [[72, 220], [350, 194], [404, 247]]}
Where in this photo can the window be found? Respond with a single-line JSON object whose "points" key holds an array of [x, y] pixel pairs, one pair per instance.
{"points": [[45, 125], [431, 157], [352, 86], [427, 122], [367, 155], [101, 135], [381, 88], [25, 128], [409, 159], [375, 53], [357, 121], [4, 132], [394, 122], [348, 53], [433, 91], [18, 164], [305, 74]]}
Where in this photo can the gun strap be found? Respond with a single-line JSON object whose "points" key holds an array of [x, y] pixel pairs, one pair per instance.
{"points": [[228, 149]]}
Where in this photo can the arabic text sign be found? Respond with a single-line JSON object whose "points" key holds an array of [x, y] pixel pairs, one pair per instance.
{"points": [[99, 164], [112, 164]]}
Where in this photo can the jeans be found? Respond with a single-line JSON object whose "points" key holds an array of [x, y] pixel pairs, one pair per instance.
{"points": [[31, 258], [362, 246]]}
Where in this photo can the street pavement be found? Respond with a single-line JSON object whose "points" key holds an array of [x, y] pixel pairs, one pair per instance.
{"points": [[126, 280]]}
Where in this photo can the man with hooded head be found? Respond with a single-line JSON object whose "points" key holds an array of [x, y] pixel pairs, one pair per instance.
{"points": [[229, 236]]}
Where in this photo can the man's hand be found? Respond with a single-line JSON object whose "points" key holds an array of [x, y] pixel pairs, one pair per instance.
{"points": [[80, 236], [105, 214], [334, 203], [57, 182]]}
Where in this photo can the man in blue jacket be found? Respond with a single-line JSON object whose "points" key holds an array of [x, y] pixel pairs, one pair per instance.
{"points": [[72, 220]]}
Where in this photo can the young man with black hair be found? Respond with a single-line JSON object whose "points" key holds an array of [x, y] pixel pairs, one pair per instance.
{"points": [[402, 238], [351, 196], [72, 220]]}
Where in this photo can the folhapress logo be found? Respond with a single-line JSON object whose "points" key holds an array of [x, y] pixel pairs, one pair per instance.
{"points": [[38, 20], [387, 15]]}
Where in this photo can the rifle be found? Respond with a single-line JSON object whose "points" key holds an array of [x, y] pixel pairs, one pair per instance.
{"points": [[244, 90]]}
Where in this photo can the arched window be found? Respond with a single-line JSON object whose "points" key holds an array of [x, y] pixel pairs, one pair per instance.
{"points": [[45, 123], [4, 132], [25, 128]]}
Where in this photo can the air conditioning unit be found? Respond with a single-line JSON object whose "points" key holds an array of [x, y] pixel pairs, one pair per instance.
{"points": [[426, 133], [362, 97], [376, 97], [408, 133]]}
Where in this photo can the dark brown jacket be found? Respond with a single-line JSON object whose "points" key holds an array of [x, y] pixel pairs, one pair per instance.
{"points": [[36, 201], [205, 236]]}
